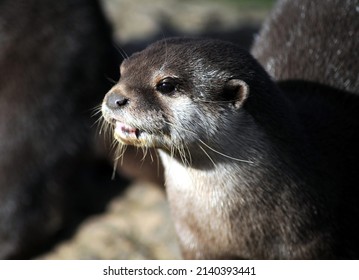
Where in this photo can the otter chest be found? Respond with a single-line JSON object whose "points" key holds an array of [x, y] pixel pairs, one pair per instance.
{"points": [[200, 208]]}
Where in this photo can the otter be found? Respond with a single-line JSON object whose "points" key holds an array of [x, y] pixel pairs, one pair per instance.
{"points": [[254, 169], [313, 41], [54, 62]]}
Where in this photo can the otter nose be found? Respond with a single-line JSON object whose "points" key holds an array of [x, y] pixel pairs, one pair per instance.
{"points": [[116, 101]]}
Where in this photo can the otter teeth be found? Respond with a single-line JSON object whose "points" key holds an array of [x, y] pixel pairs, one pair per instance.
{"points": [[125, 130]]}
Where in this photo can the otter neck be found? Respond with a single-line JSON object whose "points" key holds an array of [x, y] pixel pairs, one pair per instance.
{"points": [[266, 136], [249, 143]]}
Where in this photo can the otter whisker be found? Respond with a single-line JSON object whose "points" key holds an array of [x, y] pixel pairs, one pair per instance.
{"points": [[182, 154], [187, 154], [106, 129], [103, 125], [120, 151], [114, 145], [172, 151], [207, 155], [100, 122], [165, 57], [144, 152], [209, 147], [114, 170], [97, 110], [158, 164], [214, 101], [182, 148], [178, 127], [111, 80], [224, 155], [121, 51], [119, 154], [151, 156]]}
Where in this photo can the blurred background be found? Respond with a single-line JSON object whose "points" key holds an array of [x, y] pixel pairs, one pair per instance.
{"points": [[133, 220], [136, 21]]}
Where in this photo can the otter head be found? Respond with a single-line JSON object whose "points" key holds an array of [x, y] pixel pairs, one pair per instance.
{"points": [[179, 93]]}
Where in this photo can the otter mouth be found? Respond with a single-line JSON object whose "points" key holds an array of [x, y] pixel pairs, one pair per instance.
{"points": [[126, 133]]}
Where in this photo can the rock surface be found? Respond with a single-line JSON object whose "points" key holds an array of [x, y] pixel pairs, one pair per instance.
{"points": [[136, 225]]}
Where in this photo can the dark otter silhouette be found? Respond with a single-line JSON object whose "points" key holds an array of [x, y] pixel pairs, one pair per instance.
{"points": [[254, 169], [313, 41], [54, 59]]}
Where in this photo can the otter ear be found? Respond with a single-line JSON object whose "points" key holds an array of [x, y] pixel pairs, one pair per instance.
{"points": [[238, 90]]}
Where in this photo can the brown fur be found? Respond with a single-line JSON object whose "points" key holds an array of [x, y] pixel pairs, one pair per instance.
{"points": [[247, 173], [313, 41], [54, 59]]}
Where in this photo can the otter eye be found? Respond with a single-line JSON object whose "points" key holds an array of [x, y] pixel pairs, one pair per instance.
{"points": [[166, 86]]}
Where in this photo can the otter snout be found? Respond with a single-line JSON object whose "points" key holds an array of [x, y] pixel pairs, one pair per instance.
{"points": [[114, 100]]}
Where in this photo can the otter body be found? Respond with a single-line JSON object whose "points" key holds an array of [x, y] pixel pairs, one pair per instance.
{"points": [[312, 41], [254, 169], [54, 59]]}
